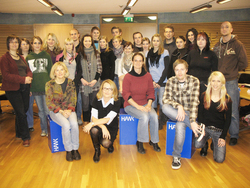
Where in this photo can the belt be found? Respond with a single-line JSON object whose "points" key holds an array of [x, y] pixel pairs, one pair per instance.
{"points": [[213, 128]]}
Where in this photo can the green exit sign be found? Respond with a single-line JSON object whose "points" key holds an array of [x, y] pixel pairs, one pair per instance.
{"points": [[128, 19]]}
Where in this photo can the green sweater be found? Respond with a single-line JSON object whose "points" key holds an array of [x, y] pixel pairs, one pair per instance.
{"points": [[40, 65]]}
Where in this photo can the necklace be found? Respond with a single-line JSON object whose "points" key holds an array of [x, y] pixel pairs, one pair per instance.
{"points": [[16, 56]]}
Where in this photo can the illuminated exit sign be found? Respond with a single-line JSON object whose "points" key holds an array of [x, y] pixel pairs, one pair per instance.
{"points": [[129, 19]]}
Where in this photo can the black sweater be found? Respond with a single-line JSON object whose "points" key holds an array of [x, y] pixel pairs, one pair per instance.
{"points": [[108, 65]]}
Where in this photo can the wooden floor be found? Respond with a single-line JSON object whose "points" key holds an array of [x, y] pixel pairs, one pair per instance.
{"points": [[36, 166]]}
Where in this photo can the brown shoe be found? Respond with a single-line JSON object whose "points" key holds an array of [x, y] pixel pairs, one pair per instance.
{"points": [[26, 143]]}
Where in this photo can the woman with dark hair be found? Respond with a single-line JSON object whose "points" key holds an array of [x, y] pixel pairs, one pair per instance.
{"points": [[40, 64], [104, 118], [16, 84], [95, 33], [191, 36], [157, 63], [180, 53], [202, 62], [215, 111], [89, 69], [25, 48], [138, 94]]}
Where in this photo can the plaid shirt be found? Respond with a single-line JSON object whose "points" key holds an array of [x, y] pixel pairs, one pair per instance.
{"points": [[187, 96]]}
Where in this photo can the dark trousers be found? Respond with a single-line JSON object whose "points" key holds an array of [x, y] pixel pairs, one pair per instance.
{"points": [[20, 103]]}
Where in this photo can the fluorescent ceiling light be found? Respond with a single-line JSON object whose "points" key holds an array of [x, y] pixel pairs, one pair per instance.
{"points": [[152, 17], [125, 11], [57, 11], [223, 1], [131, 3], [107, 19], [201, 8], [46, 3]]}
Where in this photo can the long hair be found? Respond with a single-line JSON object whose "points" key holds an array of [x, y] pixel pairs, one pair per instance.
{"points": [[107, 45], [81, 47], [205, 36], [195, 32], [161, 48], [223, 92], [99, 95], [57, 48], [68, 40], [142, 56], [124, 56], [37, 38], [27, 42]]}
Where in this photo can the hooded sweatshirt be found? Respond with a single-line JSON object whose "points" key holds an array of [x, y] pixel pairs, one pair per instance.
{"points": [[232, 57]]}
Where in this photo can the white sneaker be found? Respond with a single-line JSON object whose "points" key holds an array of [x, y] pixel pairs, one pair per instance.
{"points": [[202, 132], [79, 121], [43, 133], [176, 164]]}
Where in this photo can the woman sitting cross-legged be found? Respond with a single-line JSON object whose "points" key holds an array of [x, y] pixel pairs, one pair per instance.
{"points": [[138, 94], [215, 112], [104, 116], [61, 102]]}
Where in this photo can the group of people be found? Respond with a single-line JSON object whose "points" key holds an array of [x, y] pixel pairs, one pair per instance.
{"points": [[195, 86]]}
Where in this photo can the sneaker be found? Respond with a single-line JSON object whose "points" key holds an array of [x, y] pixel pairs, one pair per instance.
{"points": [[201, 133], [43, 133], [79, 121], [176, 164], [31, 129]]}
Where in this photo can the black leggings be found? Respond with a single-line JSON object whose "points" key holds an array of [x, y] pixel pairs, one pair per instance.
{"points": [[97, 138]]}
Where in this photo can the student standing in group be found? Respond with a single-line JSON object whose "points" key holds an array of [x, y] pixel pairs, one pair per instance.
{"points": [[157, 63], [40, 64], [75, 35], [169, 41], [89, 69], [16, 84], [52, 46], [108, 59], [232, 57], [116, 31], [191, 37], [95, 33], [146, 46], [137, 37]]}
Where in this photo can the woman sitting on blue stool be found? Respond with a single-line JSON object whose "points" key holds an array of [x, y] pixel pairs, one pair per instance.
{"points": [[61, 102]]}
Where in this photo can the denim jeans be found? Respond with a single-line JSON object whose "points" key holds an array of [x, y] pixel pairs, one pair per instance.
{"points": [[145, 118], [43, 111], [79, 106], [20, 102], [29, 113], [70, 131], [116, 80], [219, 152], [233, 91], [180, 128], [160, 92]]}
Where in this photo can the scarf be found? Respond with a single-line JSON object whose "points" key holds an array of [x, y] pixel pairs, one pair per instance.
{"points": [[118, 52], [154, 57], [89, 68], [71, 57]]}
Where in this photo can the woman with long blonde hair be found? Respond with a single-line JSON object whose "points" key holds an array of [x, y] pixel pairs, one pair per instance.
{"points": [[215, 111]]}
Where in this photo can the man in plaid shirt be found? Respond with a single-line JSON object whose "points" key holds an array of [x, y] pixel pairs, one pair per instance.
{"points": [[180, 103]]}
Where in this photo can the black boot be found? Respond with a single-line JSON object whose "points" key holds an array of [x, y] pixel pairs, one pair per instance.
{"points": [[76, 155], [111, 148], [162, 119], [155, 146], [203, 151], [69, 156], [97, 154], [140, 147]]}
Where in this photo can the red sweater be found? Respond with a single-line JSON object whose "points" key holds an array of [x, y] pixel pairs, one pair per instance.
{"points": [[138, 87], [11, 77]]}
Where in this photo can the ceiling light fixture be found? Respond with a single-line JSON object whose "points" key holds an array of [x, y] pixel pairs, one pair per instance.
{"points": [[223, 1], [201, 8], [131, 3], [108, 19], [46, 3], [152, 17], [125, 11], [57, 11]]}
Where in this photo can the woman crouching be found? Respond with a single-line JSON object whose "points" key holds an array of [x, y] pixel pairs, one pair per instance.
{"points": [[61, 101]]}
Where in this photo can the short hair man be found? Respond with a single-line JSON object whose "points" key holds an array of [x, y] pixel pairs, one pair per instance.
{"points": [[232, 58], [74, 34], [137, 37], [180, 103], [116, 31], [169, 41]]}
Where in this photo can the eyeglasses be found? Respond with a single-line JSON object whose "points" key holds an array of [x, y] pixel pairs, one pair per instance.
{"points": [[107, 89]]}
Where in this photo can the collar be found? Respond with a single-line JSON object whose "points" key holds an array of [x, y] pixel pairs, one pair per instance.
{"points": [[133, 73], [111, 101]]}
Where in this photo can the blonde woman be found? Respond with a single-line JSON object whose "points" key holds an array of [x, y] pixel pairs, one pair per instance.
{"points": [[52, 46], [104, 118], [215, 112]]}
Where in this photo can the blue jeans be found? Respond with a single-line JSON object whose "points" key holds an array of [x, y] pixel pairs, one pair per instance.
{"points": [[160, 92], [116, 80], [70, 131], [29, 113], [219, 152], [145, 118], [79, 106], [43, 111], [233, 91], [180, 128]]}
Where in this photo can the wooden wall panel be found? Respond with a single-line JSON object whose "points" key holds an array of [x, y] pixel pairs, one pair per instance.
{"points": [[84, 28], [241, 29]]}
